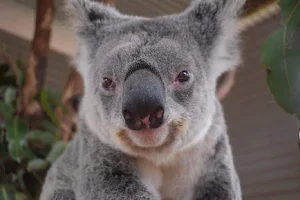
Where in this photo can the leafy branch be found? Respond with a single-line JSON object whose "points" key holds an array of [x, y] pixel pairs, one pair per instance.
{"points": [[281, 56]]}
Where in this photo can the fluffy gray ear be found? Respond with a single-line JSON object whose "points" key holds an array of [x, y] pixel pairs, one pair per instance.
{"points": [[90, 16], [213, 23], [90, 19]]}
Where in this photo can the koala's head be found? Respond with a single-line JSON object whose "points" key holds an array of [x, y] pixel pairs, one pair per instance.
{"points": [[150, 83]]}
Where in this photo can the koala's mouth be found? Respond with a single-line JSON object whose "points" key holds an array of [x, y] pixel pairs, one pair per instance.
{"points": [[152, 139]]}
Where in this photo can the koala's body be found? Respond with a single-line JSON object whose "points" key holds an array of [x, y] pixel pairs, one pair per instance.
{"points": [[150, 125]]}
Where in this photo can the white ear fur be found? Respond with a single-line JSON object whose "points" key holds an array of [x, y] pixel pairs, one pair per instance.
{"points": [[226, 53]]}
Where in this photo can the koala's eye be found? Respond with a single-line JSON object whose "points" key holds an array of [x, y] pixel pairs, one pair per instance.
{"points": [[108, 84], [183, 77]]}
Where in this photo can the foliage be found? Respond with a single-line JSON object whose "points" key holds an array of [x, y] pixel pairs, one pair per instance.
{"points": [[281, 56], [27, 149]]}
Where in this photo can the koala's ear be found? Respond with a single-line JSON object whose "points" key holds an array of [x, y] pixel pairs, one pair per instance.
{"points": [[213, 24], [89, 16]]}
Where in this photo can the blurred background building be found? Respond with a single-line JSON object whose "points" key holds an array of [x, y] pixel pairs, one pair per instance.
{"points": [[263, 136]]}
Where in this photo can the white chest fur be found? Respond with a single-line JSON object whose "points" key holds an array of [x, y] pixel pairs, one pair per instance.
{"points": [[175, 180]]}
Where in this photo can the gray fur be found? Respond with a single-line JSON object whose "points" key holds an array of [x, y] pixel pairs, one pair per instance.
{"points": [[189, 157]]}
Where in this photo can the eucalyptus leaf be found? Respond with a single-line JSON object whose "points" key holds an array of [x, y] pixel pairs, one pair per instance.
{"points": [[21, 196], [42, 136], [36, 165], [290, 12], [45, 99], [9, 192], [56, 151], [20, 64], [6, 110], [20, 177], [16, 131], [4, 193], [49, 127], [53, 96], [10, 95], [19, 151], [281, 56]]}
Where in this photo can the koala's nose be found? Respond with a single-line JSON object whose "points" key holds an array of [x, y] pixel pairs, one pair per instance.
{"points": [[143, 100]]}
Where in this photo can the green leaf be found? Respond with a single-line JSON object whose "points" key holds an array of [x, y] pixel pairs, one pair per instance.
{"points": [[19, 151], [20, 196], [36, 165], [41, 136], [49, 127], [9, 192], [10, 95], [4, 194], [16, 131], [290, 12], [46, 99], [20, 64], [281, 56], [53, 96], [20, 177], [56, 151], [6, 110]]}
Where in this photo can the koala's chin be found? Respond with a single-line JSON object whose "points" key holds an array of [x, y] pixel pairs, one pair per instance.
{"points": [[148, 138], [147, 143], [162, 144]]}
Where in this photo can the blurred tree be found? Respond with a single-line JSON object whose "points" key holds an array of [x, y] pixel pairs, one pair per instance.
{"points": [[281, 57], [37, 61]]}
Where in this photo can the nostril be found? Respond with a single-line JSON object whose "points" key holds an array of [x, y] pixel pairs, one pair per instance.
{"points": [[159, 113], [156, 118], [133, 122]]}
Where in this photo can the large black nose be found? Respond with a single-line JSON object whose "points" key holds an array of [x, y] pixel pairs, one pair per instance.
{"points": [[143, 100]]}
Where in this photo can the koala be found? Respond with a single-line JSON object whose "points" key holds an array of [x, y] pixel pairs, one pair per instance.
{"points": [[150, 125]]}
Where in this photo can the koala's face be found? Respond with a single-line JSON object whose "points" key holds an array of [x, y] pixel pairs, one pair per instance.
{"points": [[150, 83], [153, 93]]}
